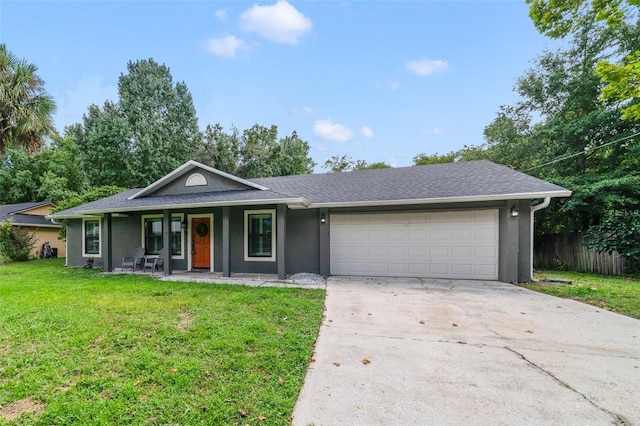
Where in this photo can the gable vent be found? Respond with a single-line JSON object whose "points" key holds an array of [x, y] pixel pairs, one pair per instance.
{"points": [[196, 179]]}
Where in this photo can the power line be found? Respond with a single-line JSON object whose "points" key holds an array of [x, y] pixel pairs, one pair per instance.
{"points": [[557, 160]]}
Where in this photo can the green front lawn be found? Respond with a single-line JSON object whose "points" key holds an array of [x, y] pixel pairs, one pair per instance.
{"points": [[618, 294], [80, 347]]}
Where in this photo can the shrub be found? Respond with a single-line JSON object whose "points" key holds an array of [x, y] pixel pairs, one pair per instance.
{"points": [[15, 243]]}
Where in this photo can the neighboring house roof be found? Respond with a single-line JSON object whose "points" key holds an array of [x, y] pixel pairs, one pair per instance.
{"points": [[20, 216], [439, 183]]}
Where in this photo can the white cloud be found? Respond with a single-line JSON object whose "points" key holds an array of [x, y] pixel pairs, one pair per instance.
{"points": [[425, 66], [76, 101], [367, 132], [225, 46], [436, 131], [279, 22], [394, 85], [221, 14], [329, 131]]}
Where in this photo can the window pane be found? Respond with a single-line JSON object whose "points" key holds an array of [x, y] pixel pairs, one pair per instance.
{"points": [[176, 236], [92, 236], [259, 235], [153, 235]]}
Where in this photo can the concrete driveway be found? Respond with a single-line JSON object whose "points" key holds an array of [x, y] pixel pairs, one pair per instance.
{"points": [[439, 352]]}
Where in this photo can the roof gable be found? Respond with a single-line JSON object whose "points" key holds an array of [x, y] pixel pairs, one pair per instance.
{"points": [[27, 214], [193, 177]]}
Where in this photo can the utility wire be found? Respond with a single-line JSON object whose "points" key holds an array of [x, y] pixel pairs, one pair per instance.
{"points": [[557, 160]]}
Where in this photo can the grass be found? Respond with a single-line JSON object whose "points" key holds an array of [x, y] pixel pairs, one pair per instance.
{"points": [[81, 347], [613, 293]]}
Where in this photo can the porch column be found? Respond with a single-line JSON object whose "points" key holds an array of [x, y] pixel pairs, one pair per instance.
{"points": [[166, 241], [281, 233], [108, 243], [226, 270], [325, 252]]}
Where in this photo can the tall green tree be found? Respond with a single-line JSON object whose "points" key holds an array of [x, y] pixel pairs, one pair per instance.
{"points": [[149, 132], [256, 152], [161, 120], [558, 19], [576, 139], [26, 110]]}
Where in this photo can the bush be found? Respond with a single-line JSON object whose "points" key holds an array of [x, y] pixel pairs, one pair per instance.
{"points": [[15, 242]]}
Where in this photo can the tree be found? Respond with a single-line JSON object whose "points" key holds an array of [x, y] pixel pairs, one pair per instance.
{"points": [[151, 131], [257, 152], [105, 146], [577, 140], [337, 164], [220, 150], [161, 119], [619, 232], [557, 19], [15, 242], [25, 108], [363, 165], [424, 159]]}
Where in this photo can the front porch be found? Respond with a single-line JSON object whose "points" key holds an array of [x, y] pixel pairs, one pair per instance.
{"points": [[302, 280]]}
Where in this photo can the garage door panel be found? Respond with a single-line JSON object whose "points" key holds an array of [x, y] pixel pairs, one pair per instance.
{"points": [[438, 234], [460, 244], [397, 268], [462, 251], [488, 216], [397, 251], [439, 217]]}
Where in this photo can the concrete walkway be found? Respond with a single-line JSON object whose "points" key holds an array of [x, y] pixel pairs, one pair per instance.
{"points": [[437, 352]]}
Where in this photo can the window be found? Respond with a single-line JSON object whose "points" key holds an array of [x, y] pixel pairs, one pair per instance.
{"points": [[91, 237], [259, 230], [152, 235]]}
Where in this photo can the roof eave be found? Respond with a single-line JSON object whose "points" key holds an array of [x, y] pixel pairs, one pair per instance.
{"points": [[35, 225], [442, 200], [292, 203]]}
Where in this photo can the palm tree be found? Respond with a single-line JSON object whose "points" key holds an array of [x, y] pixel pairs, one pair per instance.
{"points": [[25, 108]]}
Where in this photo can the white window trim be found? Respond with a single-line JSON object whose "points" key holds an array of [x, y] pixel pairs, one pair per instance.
{"points": [[155, 216], [247, 258], [84, 236]]}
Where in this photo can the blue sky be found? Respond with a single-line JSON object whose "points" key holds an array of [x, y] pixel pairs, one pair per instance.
{"points": [[375, 80]]}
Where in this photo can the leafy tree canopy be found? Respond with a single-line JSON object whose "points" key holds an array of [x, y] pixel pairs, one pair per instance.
{"points": [[152, 130], [621, 73], [345, 163], [424, 159], [256, 152], [562, 131]]}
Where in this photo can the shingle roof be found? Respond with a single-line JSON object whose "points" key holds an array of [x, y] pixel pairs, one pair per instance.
{"points": [[451, 182], [12, 211], [470, 179]]}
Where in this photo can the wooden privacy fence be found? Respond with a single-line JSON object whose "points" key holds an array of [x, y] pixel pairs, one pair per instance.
{"points": [[567, 251]]}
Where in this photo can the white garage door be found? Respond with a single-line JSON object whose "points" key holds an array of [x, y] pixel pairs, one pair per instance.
{"points": [[456, 244]]}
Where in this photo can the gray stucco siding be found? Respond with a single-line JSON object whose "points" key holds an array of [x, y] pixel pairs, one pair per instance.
{"points": [[303, 241], [215, 183]]}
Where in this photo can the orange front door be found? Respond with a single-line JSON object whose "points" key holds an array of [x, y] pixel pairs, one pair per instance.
{"points": [[201, 242]]}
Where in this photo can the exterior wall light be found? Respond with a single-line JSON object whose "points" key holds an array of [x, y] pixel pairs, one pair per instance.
{"points": [[323, 218], [514, 211]]}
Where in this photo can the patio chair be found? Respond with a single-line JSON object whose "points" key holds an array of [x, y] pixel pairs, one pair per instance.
{"points": [[157, 262], [136, 260]]}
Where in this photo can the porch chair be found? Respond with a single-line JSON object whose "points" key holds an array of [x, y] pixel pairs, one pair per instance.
{"points": [[137, 259], [157, 262]]}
